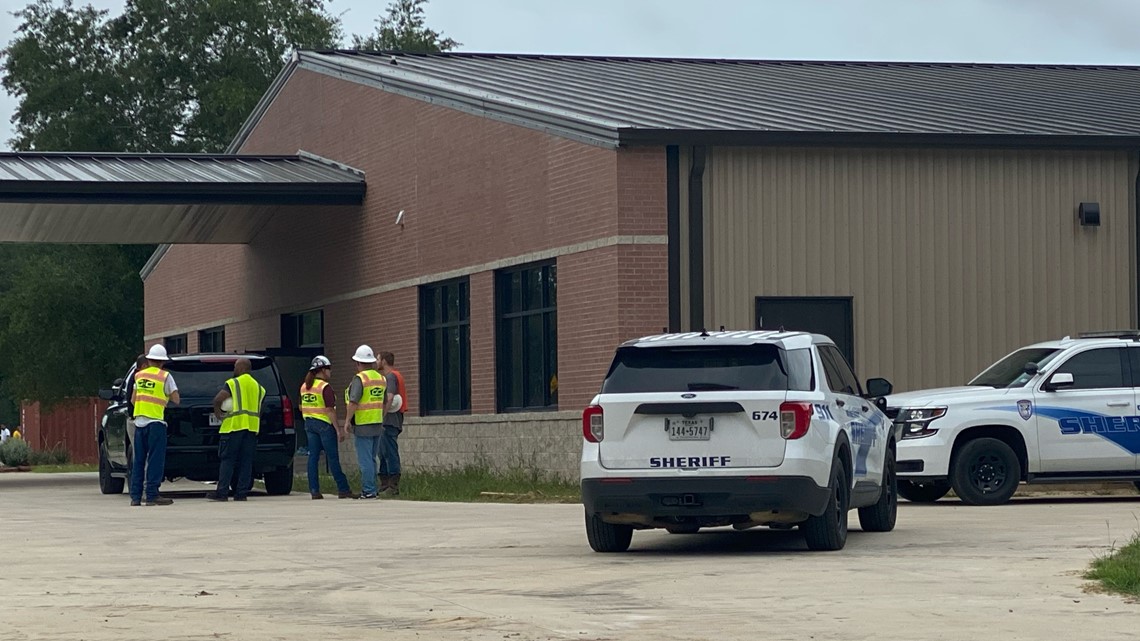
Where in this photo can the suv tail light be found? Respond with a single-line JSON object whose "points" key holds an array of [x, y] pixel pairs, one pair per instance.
{"points": [[287, 412], [795, 418], [593, 425]]}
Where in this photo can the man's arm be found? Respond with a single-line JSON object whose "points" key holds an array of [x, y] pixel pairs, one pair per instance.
{"points": [[218, 400], [171, 389]]}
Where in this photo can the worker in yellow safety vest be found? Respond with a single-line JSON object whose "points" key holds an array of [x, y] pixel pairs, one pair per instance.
{"points": [[237, 437], [318, 407], [152, 390], [367, 394]]}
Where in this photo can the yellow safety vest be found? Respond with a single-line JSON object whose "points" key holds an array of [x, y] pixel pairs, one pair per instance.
{"points": [[370, 411], [150, 394], [247, 395], [313, 401]]}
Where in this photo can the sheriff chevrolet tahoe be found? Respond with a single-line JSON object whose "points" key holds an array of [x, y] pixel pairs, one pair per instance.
{"points": [[1059, 411], [192, 428], [737, 428]]}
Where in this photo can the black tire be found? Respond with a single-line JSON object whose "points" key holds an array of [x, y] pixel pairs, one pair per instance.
{"points": [[108, 484], [279, 482], [1137, 484], [985, 472], [923, 491], [828, 531], [607, 537], [881, 516]]}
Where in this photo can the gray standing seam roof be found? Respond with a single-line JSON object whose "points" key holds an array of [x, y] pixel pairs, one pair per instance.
{"points": [[175, 178], [616, 101]]}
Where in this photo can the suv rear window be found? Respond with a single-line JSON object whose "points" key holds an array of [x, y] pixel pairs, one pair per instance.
{"points": [[708, 368], [206, 378]]}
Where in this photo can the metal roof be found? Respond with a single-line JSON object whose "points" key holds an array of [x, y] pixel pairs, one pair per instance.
{"points": [[159, 198], [614, 101]]}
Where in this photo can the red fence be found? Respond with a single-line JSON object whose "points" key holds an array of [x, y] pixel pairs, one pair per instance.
{"points": [[70, 425]]}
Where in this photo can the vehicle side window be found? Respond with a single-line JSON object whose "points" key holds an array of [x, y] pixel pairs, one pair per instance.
{"points": [[836, 366], [1097, 369]]}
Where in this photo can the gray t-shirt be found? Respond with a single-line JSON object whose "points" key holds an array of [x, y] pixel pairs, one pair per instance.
{"points": [[355, 393], [393, 419]]}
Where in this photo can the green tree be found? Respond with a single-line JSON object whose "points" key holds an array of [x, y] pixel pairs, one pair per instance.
{"points": [[404, 28], [164, 76]]}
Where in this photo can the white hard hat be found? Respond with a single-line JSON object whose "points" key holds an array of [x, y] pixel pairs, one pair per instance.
{"points": [[364, 355], [320, 362], [157, 353], [396, 403]]}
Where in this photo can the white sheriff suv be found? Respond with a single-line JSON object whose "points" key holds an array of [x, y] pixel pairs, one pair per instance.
{"points": [[740, 428], [1060, 411]]}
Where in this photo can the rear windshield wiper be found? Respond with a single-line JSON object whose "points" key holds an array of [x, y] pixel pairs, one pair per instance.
{"points": [[710, 386]]}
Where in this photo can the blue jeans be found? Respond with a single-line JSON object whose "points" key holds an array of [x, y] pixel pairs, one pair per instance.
{"points": [[390, 451], [322, 436], [367, 448], [149, 460], [235, 468]]}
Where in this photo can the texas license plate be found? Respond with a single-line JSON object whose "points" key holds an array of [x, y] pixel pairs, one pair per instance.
{"points": [[689, 429], [215, 421]]}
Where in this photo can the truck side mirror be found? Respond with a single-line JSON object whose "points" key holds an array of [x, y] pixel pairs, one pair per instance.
{"points": [[877, 387], [1058, 381]]}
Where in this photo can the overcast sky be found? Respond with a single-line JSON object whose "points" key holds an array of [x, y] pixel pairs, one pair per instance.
{"points": [[1045, 31]]}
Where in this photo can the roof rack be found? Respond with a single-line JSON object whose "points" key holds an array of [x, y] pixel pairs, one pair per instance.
{"points": [[1134, 334]]}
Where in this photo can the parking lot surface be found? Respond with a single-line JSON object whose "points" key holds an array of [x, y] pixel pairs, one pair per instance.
{"points": [[79, 565]]}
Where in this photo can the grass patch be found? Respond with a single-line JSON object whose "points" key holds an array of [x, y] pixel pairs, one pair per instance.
{"points": [[66, 467], [1119, 570], [468, 484]]}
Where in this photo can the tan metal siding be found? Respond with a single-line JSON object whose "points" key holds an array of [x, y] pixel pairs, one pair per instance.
{"points": [[953, 257]]}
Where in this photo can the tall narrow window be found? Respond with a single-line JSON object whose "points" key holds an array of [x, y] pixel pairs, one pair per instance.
{"points": [[305, 329], [175, 344], [445, 347], [527, 338], [212, 340]]}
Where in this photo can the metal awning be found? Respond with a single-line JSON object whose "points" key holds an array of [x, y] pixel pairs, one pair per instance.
{"points": [[161, 198]]}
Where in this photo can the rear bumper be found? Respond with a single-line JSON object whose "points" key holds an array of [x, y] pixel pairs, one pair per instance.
{"points": [[201, 463], [724, 496]]}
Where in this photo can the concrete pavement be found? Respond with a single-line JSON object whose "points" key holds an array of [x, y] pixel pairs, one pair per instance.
{"points": [[80, 565]]}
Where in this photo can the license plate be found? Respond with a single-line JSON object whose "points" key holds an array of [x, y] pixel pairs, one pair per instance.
{"points": [[689, 429], [215, 421]]}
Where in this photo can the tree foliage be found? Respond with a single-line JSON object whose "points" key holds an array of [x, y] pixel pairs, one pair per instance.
{"points": [[404, 28]]}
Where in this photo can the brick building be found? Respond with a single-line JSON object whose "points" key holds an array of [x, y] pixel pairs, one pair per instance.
{"points": [[525, 214]]}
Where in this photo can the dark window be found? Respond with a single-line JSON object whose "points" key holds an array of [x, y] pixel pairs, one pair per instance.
{"points": [[204, 379], [175, 344], [445, 347], [697, 369], [212, 340], [1010, 371], [840, 378], [306, 329], [527, 338], [1096, 369], [830, 316]]}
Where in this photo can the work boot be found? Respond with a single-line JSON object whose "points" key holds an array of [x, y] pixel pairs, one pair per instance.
{"points": [[159, 500], [385, 479], [135, 503], [214, 496], [318, 495], [345, 495], [393, 486]]}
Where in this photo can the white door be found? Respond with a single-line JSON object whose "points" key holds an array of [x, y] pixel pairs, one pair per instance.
{"points": [[1085, 426], [856, 414]]}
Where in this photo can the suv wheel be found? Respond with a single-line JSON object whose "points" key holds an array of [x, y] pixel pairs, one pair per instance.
{"points": [[828, 531], [1137, 484], [985, 472], [881, 516], [607, 537], [279, 482], [923, 491], [108, 484]]}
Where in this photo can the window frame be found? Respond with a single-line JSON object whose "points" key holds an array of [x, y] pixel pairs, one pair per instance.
{"points": [[175, 338], [429, 379], [293, 326], [219, 331], [831, 355], [548, 312]]}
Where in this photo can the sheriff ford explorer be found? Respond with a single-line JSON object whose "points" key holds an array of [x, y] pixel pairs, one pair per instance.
{"points": [[1060, 411], [747, 428]]}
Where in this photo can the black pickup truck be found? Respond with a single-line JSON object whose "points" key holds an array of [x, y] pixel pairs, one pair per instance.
{"points": [[192, 429]]}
